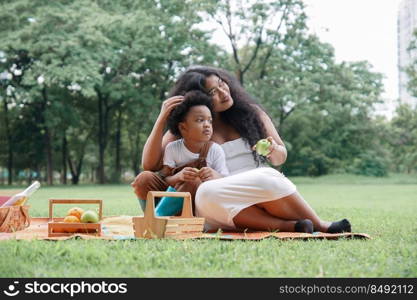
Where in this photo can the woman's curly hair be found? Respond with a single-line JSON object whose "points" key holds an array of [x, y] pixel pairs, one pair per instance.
{"points": [[178, 114], [243, 116]]}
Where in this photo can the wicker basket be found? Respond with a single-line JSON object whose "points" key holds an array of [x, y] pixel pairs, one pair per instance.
{"points": [[14, 218]]}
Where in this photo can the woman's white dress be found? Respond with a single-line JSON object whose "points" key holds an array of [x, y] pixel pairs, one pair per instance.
{"points": [[220, 200]]}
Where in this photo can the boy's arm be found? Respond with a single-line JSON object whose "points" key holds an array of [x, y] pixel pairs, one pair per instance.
{"points": [[217, 167], [166, 172], [218, 160], [186, 174]]}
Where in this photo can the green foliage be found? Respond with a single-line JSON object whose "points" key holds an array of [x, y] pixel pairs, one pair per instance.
{"points": [[333, 125], [321, 107], [75, 57], [403, 139], [82, 83], [369, 164]]}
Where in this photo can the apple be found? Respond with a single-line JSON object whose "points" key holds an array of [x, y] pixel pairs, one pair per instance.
{"points": [[262, 147], [90, 216]]}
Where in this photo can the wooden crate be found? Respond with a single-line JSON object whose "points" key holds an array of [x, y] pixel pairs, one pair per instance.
{"points": [[56, 226], [184, 226]]}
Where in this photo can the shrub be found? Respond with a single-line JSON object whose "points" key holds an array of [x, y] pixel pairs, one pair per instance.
{"points": [[369, 164]]}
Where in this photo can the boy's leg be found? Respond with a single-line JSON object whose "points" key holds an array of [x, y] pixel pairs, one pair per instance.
{"points": [[190, 187], [145, 182], [169, 206]]}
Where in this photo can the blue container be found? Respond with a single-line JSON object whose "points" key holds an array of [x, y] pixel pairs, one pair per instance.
{"points": [[169, 206]]}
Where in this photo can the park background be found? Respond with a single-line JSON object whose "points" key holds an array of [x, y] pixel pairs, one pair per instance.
{"points": [[82, 83]]}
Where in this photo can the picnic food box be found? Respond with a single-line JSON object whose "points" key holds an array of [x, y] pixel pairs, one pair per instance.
{"points": [[56, 226], [175, 227]]}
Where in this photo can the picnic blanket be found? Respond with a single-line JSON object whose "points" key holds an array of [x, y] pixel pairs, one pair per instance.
{"points": [[121, 228]]}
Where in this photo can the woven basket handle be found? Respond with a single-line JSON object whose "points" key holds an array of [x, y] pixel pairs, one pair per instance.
{"points": [[25, 213]]}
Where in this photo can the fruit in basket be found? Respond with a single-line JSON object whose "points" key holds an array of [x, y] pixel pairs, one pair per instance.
{"points": [[90, 216], [75, 211], [71, 219]]}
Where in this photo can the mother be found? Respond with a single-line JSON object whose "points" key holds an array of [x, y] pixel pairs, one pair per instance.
{"points": [[255, 196]]}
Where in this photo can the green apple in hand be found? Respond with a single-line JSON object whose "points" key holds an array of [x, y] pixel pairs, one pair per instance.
{"points": [[262, 147], [90, 216]]}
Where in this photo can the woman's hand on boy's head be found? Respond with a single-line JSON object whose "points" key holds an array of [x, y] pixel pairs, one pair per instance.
{"points": [[169, 104], [208, 173]]}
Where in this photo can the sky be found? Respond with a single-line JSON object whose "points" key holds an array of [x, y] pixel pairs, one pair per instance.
{"points": [[360, 30]]}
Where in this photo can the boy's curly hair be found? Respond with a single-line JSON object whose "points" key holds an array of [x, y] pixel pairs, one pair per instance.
{"points": [[178, 114]]}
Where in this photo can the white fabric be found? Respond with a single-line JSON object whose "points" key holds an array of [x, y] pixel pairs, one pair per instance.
{"points": [[239, 156], [220, 200], [177, 155]]}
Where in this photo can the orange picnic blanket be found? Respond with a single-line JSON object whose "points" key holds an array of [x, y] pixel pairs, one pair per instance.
{"points": [[120, 227]]}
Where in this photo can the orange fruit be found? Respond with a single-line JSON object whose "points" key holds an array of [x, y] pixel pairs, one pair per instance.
{"points": [[71, 219], [75, 211]]}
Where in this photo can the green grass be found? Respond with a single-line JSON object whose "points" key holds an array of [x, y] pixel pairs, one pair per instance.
{"points": [[384, 208]]}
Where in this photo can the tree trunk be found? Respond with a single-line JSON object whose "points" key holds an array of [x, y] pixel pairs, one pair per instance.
{"points": [[49, 161], [76, 164], [30, 177], [101, 138], [9, 144], [239, 75], [118, 142], [75, 174], [64, 160], [47, 141], [134, 151], [93, 175]]}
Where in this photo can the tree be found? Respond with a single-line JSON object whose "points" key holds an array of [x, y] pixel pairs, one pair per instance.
{"points": [[151, 41], [337, 127], [411, 70], [255, 29], [404, 139], [118, 57]]}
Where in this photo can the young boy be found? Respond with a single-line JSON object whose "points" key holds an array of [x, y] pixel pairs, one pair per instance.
{"points": [[192, 122], [193, 158]]}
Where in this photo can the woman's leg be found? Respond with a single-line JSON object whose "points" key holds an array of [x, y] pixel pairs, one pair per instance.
{"points": [[294, 207], [256, 218], [215, 199]]}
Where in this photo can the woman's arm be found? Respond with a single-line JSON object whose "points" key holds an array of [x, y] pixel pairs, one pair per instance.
{"points": [[278, 154], [155, 144]]}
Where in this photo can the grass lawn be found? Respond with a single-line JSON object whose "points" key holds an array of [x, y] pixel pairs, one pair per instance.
{"points": [[384, 208]]}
